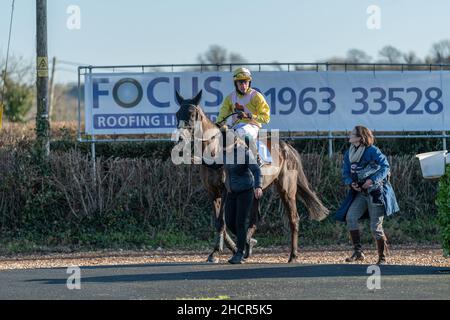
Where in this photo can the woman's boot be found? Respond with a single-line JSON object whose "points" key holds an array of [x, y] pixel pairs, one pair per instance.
{"points": [[381, 247], [357, 254]]}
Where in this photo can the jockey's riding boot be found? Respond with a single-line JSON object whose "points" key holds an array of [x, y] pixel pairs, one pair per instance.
{"points": [[251, 144], [381, 247], [259, 160], [357, 254], [249, 247], [238, 258]]}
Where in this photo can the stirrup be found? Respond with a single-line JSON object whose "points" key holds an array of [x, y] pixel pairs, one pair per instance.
{"points": [[259, 161]]}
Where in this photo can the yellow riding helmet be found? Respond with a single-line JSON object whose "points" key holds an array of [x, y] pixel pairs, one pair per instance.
{"points": [[242, 74]]}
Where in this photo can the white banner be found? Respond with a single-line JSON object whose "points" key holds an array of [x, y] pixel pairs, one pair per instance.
{"points": [[130, 103]]}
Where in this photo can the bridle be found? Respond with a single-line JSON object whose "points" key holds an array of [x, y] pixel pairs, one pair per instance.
{"points": [[185, 115]]}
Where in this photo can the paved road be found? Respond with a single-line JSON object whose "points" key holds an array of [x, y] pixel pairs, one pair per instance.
{"points": [[250, 281]]}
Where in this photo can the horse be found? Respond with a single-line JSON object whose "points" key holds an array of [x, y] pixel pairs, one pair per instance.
{"points": [[286, 173]]}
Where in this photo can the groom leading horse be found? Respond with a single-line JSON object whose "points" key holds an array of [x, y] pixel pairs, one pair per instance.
{"points": [[286, 173]]}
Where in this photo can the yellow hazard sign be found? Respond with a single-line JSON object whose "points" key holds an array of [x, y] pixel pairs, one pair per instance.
{"points": [[42, 67], [42, 63]]}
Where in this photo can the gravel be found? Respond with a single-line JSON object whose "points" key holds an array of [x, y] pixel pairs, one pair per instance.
{"points": [[417, 255]]}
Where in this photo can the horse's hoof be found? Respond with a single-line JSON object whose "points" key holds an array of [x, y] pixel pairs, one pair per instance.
{"points": [[293, 260], [212, 259]]}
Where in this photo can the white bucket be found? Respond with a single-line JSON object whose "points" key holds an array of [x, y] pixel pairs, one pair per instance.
{"points": [[433, 164]]}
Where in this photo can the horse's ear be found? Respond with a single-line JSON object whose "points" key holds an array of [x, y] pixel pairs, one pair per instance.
{"points": [[180, 100], [197, 98]]}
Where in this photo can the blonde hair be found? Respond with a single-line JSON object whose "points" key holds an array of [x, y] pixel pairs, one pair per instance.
{"points": [[366, 135]]}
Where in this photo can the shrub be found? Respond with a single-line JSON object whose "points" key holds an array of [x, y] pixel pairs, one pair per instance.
{"points": [[443, 204], [18, 100]]}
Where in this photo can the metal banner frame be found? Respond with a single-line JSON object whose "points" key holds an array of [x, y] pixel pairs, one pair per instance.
{"points": [[374, 67]]}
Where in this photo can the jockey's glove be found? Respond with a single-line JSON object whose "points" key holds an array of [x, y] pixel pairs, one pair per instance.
{"points": [[244, 115]]}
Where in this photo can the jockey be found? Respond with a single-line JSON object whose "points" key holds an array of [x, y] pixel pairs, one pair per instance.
{"points": [[252, 108]]}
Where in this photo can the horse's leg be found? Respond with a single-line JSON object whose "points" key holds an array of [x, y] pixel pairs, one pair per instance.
{"points": [[220, 228], [228, 241], [287, 188], [254, 217], [222, 235]]}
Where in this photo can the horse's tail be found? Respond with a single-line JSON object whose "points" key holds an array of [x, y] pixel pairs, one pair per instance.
{"points": [[316, 210]]}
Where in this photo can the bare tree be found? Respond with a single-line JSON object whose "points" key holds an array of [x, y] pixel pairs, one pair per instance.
{"points": [[218, 55], [440, 52], [390, 54], [357, 56], [411, 57], [215, 55], [19, 69], [236, 58]]}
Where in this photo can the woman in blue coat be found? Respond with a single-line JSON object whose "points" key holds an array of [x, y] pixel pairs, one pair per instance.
{"points": [[366, 172]]}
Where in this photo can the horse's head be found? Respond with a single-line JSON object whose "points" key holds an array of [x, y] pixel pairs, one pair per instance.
{"points": [[189, 111]]}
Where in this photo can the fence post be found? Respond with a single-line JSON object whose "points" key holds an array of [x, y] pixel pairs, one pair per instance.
{"points": [[79, 103], [444, 141], [330, 144], [94, 160]]}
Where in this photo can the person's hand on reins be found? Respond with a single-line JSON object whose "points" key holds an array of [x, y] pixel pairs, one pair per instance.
{"points": [[222, 123], [258, 193], [244, 115]]}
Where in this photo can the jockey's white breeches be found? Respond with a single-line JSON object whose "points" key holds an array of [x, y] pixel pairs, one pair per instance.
{"points": [[247, 129]]}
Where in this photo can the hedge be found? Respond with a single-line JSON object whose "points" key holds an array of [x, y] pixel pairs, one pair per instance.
{"points": [[443, 204], [141, 198]]}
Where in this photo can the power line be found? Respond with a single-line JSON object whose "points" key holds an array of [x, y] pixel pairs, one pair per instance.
{"points": [[72, 63], [6, 65], [66, 70]]}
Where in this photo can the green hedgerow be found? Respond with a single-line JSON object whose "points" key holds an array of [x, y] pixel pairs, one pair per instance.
{"points": [[443, 204]]}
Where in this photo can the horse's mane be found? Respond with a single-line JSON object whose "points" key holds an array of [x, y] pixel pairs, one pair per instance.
{"points": [[204, 116], [237, 140]]}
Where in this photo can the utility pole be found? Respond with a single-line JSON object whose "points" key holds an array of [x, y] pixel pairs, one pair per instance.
{"points": [[42, 119]]}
